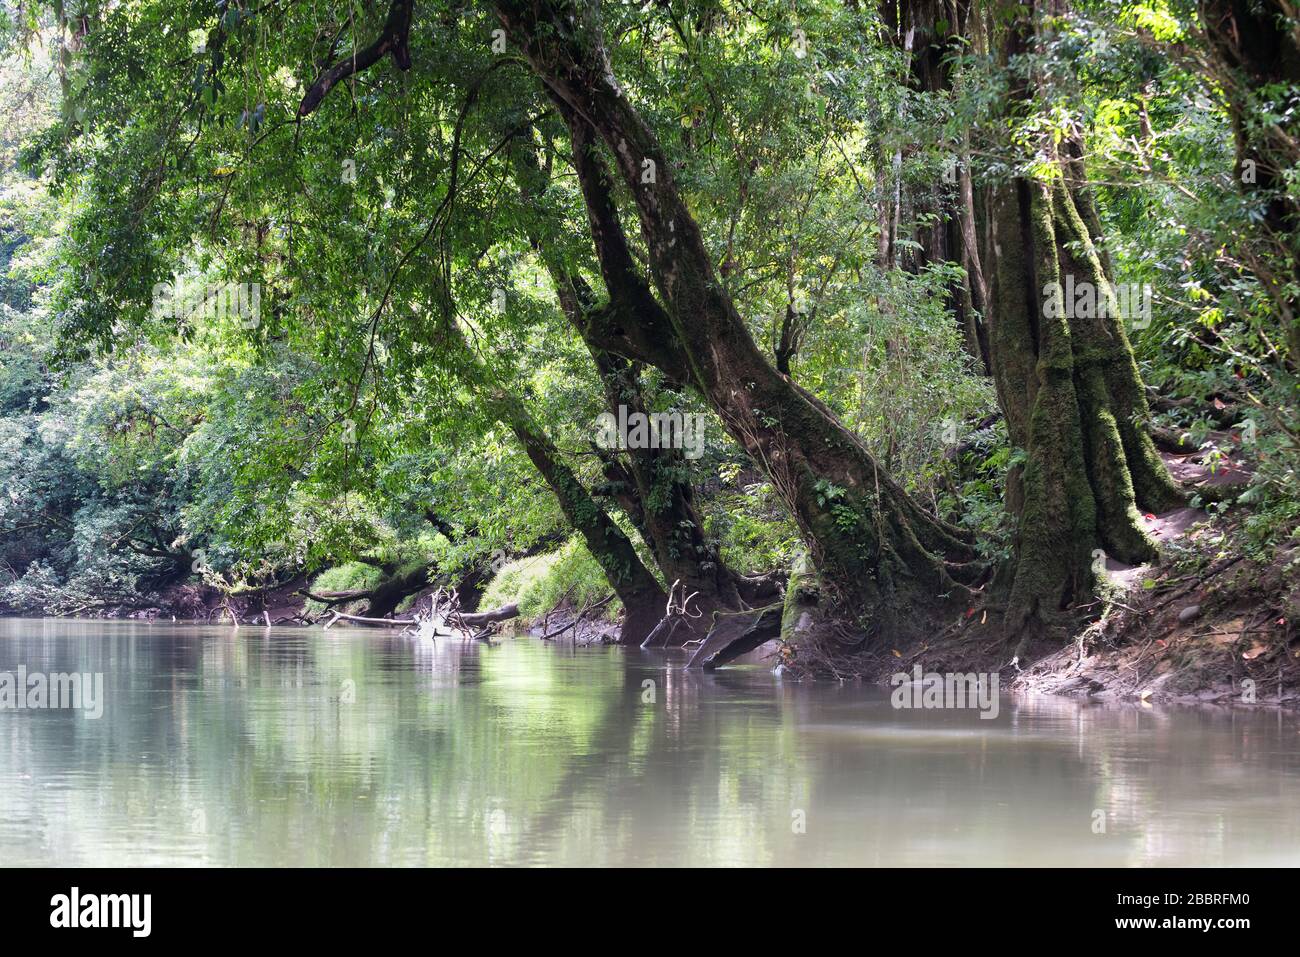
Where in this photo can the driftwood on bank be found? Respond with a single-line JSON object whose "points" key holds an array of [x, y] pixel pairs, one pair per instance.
{"points": [[797, 616], [577, 619], [677, 614], [472, 619], [730, 633], [328, 598], [504, 613], [381, 599], [363, 620]]}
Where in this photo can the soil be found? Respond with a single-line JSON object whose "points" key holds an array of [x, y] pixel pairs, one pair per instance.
{"points": [[188, 602], [1215, 621]]}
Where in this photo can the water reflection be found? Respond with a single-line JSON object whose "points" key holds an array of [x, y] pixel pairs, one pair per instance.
{"points": [[258, 747]]}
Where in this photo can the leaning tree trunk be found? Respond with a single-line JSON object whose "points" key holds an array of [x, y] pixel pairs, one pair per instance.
{"points": [[640, 592], [1069, 387], [663, 503], [642, 596], [652, 485], [883, 555]]}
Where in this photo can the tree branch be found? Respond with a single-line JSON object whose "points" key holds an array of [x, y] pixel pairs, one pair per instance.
{"points": [[394, 39]]}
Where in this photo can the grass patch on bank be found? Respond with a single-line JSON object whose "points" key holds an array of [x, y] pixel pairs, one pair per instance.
{"points": [[349, 576], [540, 583]]}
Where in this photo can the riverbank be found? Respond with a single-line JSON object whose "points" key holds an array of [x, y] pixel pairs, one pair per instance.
{"points": [[1215, 623], [1208, 628]]}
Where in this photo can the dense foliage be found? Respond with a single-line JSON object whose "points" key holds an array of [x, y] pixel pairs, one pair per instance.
{"points": [[406, 277]]}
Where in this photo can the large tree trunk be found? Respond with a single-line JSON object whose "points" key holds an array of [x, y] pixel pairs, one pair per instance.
{"points": [[663, 502], [933, 32], [642, 596], [1069, 387], [880, 552]]}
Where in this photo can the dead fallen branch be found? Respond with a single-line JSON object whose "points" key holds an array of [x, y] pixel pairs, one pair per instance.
{"points": [[329, 598], [735, 633], [362, 620], [588, 609], [677, 613], [467, 623], [504, 613]]}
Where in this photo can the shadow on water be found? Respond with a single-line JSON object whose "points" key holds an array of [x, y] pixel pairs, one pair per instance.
{"points": [[291, 746]]}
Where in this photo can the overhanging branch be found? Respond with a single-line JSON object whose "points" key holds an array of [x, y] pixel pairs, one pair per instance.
{"points": [[393, 39]]}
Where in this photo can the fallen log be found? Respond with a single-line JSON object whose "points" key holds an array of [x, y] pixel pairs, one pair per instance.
{"points": [[504, 613], [362, 620], [663, 632], [957, 451], [1223, 414], [677, 614], [1171, 440], [735, 633], [334, 597], [383, 598]]}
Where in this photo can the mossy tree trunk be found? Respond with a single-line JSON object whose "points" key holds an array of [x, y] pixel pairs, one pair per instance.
{"points": [[940, 30], [637, 588], [653, 485], [1070, 389], [880, 552], [660, 498]]}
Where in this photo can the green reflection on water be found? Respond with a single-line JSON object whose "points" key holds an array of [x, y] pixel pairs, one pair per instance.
{"points": [[361, 748]]}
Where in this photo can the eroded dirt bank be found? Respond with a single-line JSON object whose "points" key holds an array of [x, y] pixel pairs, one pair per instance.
{"points": [[1214, 621]]}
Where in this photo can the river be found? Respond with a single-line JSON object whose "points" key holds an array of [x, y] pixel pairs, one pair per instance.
{"points": [[290, 746]]}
